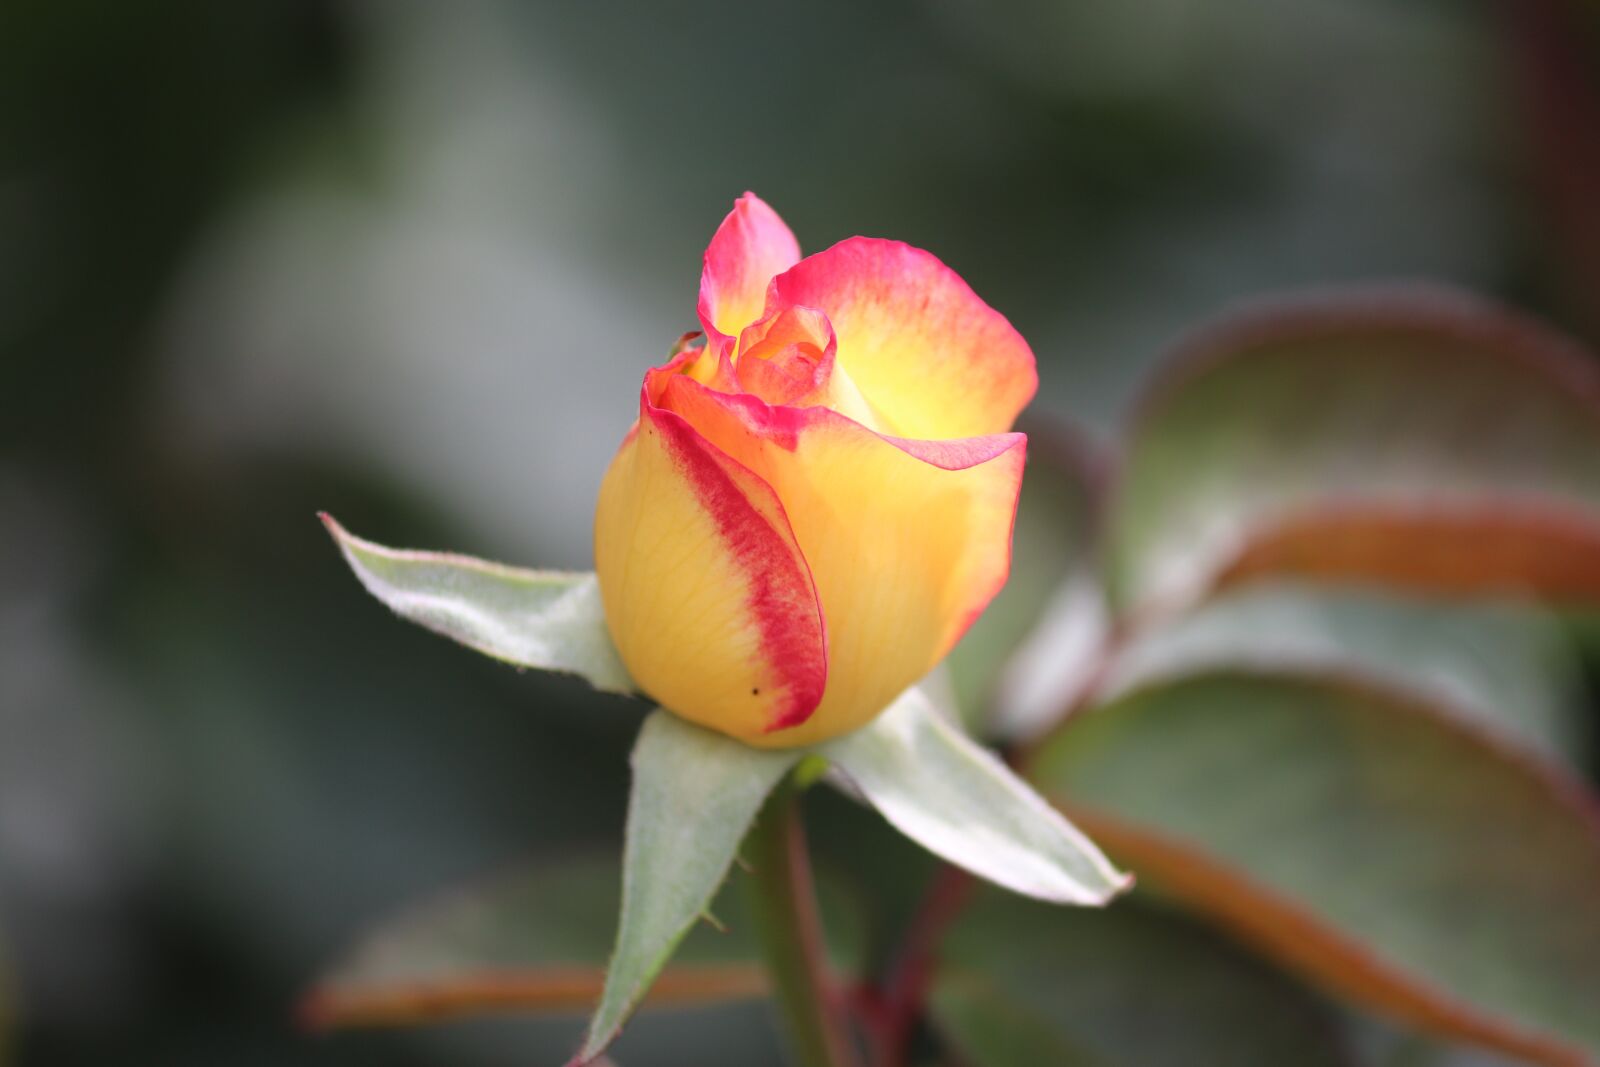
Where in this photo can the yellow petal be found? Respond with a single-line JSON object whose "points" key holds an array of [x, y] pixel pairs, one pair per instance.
{"points": [[930, 357], [706, 592], [907, 541]]}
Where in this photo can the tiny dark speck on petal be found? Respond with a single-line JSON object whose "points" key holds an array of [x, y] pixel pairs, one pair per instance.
{"points": [[755, 692]]}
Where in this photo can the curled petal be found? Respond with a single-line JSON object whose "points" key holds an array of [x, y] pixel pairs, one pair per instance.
{"points": [[750, 248], [707, 594], [786, 357], [907, 541], [930, 357], [789, 358]]}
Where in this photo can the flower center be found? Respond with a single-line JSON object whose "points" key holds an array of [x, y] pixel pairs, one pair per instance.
{"points": [[787, 357]]}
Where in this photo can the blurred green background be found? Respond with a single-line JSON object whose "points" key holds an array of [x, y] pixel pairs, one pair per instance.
{"points": [[407, 262]]}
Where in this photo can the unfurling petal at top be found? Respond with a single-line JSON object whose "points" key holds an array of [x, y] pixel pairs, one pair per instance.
{"points": [[930, 357], [707, 594], [749, 249]]}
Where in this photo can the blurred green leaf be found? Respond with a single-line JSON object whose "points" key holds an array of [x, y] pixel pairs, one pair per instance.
{"points": [[1507, 667], [533, 941], [550, 620], [695, 793], [991, 1028], [1403, 856], [1023, 985], [1414, 437], [939, 788], [1011, 670]]}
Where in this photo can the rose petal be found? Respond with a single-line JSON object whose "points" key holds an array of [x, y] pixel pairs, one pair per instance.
{"points": [[707, 594], [907, 541], [786, 357], [927, 353], [750, 248]]}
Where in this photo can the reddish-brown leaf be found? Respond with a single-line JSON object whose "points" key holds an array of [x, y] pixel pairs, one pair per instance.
{"points": [[560, 990]]}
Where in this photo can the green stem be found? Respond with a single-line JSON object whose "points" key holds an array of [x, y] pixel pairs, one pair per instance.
{"points": [[784, 902]]}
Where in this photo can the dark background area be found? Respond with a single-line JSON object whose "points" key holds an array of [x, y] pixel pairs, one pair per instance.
{"points": [[407, 261]]}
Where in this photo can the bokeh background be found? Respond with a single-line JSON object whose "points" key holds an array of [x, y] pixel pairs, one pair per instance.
{"points": [[407, 261]]}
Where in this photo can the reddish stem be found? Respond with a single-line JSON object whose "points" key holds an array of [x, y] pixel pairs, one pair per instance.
{"points": [[899, 1001], [790, 930]]}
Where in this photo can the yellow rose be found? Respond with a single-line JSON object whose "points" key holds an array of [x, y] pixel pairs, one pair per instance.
{"points": [[813, 507]]}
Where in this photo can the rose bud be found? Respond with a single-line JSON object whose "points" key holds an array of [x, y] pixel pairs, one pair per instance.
{"points": [[814, 506]]}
